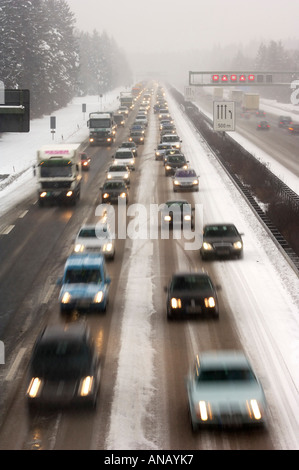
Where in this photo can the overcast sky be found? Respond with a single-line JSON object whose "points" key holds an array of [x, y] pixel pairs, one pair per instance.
{"points": [[179, 25]]}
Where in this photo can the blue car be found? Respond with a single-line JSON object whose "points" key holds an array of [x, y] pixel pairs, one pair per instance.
{"points": [[85, 283]]}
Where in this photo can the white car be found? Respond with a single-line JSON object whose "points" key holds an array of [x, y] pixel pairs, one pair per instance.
{"points": [[172, 139], [224, 391], [185, 180], [95, 238], [118, 171], [124, 156]]}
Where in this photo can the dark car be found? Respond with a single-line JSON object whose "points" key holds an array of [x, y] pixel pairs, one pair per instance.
{"points": [[85, 161], [112, 190], [221, 240], [137, 137], [191, 294], [284, 121], [260, 113], [263, 125], [119, 119], [294, 129], [64, 367], [176, 213], [173, 162]]}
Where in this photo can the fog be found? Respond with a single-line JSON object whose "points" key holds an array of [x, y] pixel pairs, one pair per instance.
{"points": [[167, 37]]}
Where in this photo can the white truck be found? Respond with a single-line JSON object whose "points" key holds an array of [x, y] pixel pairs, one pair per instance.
{"points": [[102, 128], [59, 173], [251, 102]]}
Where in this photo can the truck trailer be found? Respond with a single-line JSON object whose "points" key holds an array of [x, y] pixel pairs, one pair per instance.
{"points": [[251, 102], [59, 173], [102, 128]]}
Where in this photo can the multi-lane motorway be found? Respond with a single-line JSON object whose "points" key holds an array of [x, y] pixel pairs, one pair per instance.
{"points": [[142, 399]]}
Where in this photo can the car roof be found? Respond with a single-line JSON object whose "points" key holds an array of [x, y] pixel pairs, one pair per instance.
{"points": [[70, 331], [85, 260], [222, 358]]}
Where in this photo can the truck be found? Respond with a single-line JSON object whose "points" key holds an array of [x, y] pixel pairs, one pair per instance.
{"points": [[237, 97], [250, 102], [126, 99], [59, 173], [85, 283], [102, 128]]}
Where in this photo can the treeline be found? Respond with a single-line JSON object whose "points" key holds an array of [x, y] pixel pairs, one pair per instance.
{"points": [[41, 50]]}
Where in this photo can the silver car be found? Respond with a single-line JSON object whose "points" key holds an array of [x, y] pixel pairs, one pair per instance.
{"points": [[223, 390], [118, 171], [185, 180], [95, 238]]}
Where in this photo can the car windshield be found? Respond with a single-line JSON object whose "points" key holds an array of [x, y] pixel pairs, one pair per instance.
{"points": [[176, 158], [195, 283], [221, 231], [61, 359], [81, 275], [117, 168], [226, 375], [114, 185], [123, 154], [185, 173]]}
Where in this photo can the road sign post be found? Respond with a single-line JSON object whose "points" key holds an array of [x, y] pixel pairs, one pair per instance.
{"points": [[224, 116]]}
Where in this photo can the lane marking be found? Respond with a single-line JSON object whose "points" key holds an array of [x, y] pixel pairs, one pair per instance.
{"points": [[23, 214], [12, 372], [7, 230]]}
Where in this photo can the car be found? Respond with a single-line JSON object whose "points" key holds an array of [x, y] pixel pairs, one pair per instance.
{"points": [[129, 145], [123, 110], [176, 213], [223, 391], [221, 240], [137, 136], [95, 238], [124, 156], [173, 162], [85, 161], [118, 171], [164, 114], [141, 119], [112, 190], [263, 125], [294, 129], [85, 283], [260, 113], [138, 126], [284, 121], [172, 139], [185, 180], [64, 368], [191, 294], [160, 151], [119, 119]]}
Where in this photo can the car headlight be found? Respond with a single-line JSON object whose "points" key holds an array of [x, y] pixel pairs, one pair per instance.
{"points": [[86, 386], [207, 246], [123, 195], [185, 167], [167, 218], [66, 298], [108, 247], [254, 409], [98, 297], [34, 388], [210, 302], [238, 245], [203, 411], [132, 162], [168, 167], [176, 182], [187, 217], [69, 193], [126, 176], [105, 195], [175, 303], [195, 182], [109, 177], [79, 248]]}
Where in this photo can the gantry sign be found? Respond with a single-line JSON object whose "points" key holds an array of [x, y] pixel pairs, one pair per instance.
{"points": [[14, 110], [233, 78]]}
